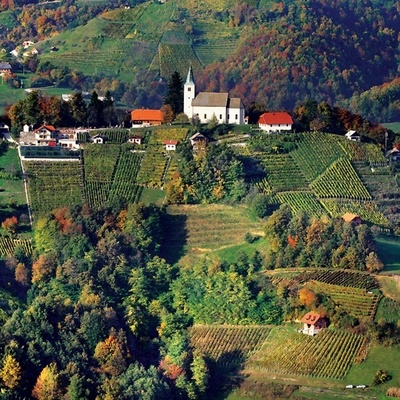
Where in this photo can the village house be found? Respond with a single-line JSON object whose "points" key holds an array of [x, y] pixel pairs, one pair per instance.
{"points": [[207, 106], [98, 139], [135, 139], [198, 139], [353, 135], [68, 138], [5, 67], [352, 219], [170, 145], [275, 122], [313, 323], [393, 155], [46, 135], [142, 117]]}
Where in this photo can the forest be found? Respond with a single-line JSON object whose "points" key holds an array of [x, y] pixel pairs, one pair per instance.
{"points": [[272, 55]]}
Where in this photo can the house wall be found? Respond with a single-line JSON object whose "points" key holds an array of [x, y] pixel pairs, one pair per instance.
{"points": [[235, 115], [275, 127], [206, 114]]}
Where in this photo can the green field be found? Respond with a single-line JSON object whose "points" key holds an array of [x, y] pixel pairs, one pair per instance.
{"points": [[389, 251]]}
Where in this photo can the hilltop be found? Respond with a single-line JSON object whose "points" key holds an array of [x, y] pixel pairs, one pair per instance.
{"points": [[276, 54]]}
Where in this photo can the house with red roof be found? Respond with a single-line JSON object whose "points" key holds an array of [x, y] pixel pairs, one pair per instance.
{"points": [[170, 145], [275, 122], [46, 135], [142, 117], [313, 323], [352, 219]]}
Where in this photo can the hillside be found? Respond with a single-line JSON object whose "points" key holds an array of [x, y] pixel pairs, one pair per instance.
{"points": [[272, 54]]}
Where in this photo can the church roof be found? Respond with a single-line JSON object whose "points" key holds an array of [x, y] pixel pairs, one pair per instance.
{"points": [[189, 78], [235, 102], [211, 99]]}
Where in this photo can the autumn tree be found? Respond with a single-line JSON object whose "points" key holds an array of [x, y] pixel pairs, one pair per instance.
{"points": [[10, 224], [47, 384], [373, 263], [11, 372]]}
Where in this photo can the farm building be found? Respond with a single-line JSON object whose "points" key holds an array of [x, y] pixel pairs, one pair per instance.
{"points": [[209, 105], [170, 145], [198, 138], [352, 218], [141, 118], [313, 323], [5, 67], [275, 122], [353, 135]]}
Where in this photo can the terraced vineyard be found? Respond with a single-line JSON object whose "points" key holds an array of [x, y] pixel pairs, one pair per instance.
{"points": [[153, 167], [340, 180], [53, 184], [357, 151], [315, 153], [357, 302], [302, 201], [329, 354], [157, 136], [209, 226], [351, 279], [228, 345], [282, 172], [100, 162]]}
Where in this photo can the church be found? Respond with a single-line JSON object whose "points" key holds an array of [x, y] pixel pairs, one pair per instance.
{"points": [[206, 105]]}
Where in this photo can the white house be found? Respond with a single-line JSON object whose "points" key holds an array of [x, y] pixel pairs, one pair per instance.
{"points": [[68, 138], [46, 135], [353, 135], [135, 139], [275, 122], [207, 106], [170, 145], [313, 323]]}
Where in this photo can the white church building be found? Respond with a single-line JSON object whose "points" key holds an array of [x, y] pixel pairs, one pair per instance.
{"points": [[206, 105]]}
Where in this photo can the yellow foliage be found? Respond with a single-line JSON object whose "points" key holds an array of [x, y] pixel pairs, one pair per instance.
{"points": [[11, 372]]}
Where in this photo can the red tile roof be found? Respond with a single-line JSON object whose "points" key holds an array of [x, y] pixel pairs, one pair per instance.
{"points": [[311, 318], [174, 142], [48, 127], [275, 118], [349, 217], [147, 115]]}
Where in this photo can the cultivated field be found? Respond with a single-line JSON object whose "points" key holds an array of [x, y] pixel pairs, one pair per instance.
{"points": [[326, 355], [228, 345]]}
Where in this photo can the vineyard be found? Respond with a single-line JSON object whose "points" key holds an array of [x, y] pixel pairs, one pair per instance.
{"points": [[356, 302], [9, 245], [340, 180], [329, 354], [315, 153], [53, 184], [228, 345], [302, 201], [153, 167], [100, 161], [350, 279], [282, 172], [112, 136], [367, 210]]}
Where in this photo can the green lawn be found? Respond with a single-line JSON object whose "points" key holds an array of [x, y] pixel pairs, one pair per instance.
{"points": [[152, 196], [389, 252], [394, 126]]}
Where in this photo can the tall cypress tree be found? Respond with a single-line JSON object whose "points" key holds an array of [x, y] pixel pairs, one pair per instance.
{"points": [[174, 96]]}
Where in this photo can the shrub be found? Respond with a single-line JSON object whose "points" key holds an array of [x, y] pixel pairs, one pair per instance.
{"points": [[381, 376]]}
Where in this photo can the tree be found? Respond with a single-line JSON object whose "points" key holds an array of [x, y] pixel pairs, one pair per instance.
{"points": [[10, 224], [11, 372], [168, 113], [94, 111], [78, 109], [76, 390], [381, 376], [47, 387], [373, 263], [109, 113], [174, 96]]}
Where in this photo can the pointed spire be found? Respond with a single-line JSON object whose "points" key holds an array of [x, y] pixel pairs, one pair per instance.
{"points": [[190, 79]]}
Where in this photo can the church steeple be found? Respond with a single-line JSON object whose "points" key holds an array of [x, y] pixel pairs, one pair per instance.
{"points": [[189, 93]]}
